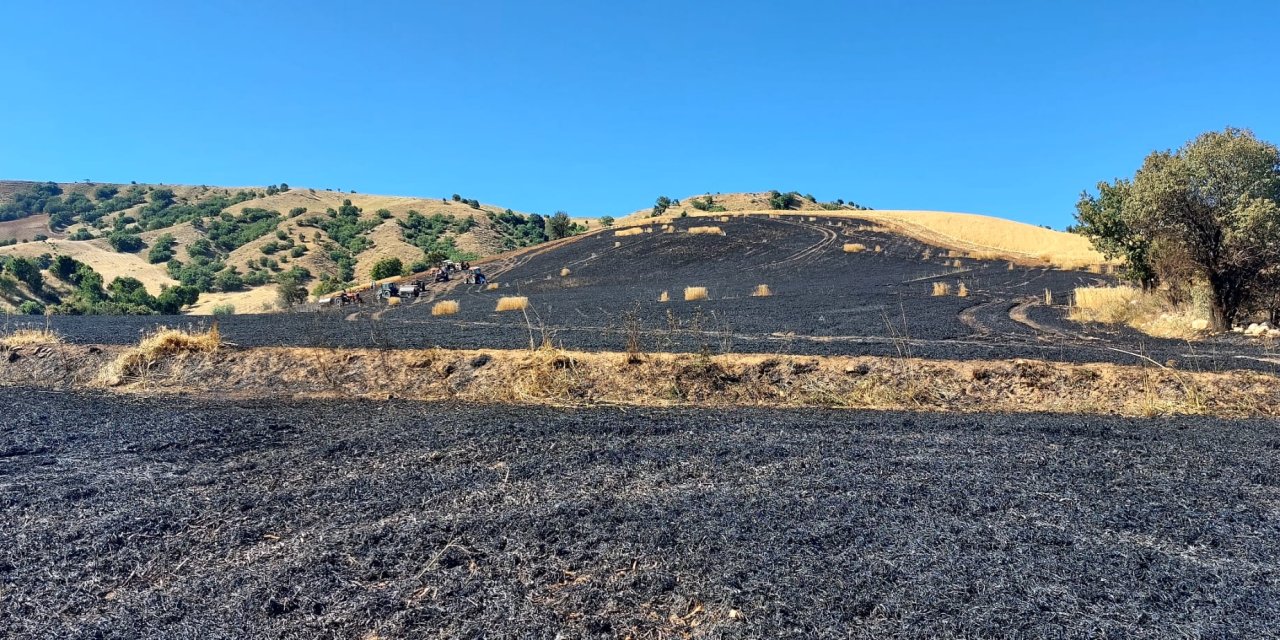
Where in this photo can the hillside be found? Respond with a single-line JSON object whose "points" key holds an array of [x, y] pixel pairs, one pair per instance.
{"points": [[973, 234], [244, 238]]}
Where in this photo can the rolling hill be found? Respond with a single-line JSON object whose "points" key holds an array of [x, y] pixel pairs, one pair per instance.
{"points": [[258, 233]]}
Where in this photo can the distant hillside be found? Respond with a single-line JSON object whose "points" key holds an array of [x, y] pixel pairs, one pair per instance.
{"points": [[976, 235], [232, 243]]}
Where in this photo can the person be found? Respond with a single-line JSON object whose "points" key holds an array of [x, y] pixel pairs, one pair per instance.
{"points": [[480, 278]]}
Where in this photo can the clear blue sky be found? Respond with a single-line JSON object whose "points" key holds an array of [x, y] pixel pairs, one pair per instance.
{"points": [[1009, 108]]}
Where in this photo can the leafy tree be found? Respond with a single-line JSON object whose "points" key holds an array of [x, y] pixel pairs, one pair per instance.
{"points": [[289, 289], [1219, 198], [105, 192], [606, 221], [660, 206], [782, 201], [64, 267], [27, 271], [161, 249], [1115, 229], [559, 226], [228, 280], [31, 308], [386, 268], [125, 242]]}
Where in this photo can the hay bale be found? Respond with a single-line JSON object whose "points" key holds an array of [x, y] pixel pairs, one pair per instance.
{"points": [[695, 293], [512, 303]]}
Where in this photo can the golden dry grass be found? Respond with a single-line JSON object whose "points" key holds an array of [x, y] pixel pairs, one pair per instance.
{"points": [[854, 247], [492, 286], [630, 231], [1148, 312], [1048, 297], [160, 344], [512, 303], [761, 291], [879, 249], [941, 289], [665, 297], [393, 301], [29, 338], [565, 272], [445, 308], [714, 231], [695, 293], [962, 291]]}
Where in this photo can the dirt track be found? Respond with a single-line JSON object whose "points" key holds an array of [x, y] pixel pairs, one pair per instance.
{"points": [[137, 518], [825, 302]]}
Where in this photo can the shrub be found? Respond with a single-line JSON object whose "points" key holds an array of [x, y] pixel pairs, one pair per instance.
{"points": [[31, 308], [161, 249], [125, 242], [81, 234], [297, 252], [387, 268], [761, 291], [224, 310], [606, 221]]}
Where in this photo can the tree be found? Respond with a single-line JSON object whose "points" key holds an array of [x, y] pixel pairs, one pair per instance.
{"points": [[559, 226], [660, 206], [125, 242], [606, 221], [161, 249], [387, 268], [1116, 230], [1208, 212], [289, 289], [1218, 197], [781, 201]]}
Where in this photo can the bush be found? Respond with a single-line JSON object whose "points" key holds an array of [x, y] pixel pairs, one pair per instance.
{"points": [[31, 308], [387, 268], [606, 221], [81, 234], [125, 242], [224, 310], [298, 251], [161, 249]]}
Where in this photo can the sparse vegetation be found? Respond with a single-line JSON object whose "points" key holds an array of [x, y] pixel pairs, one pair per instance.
{"points": [[692, 294], [445, 308], [761, 291], [512, 303], [941, 289]]}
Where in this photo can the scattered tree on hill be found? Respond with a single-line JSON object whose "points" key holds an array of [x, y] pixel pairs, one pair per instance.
{"points": [[289, 289], [1215, 201], [559, 226], [606, 221], [782, 201], [660, 206], [161, 249], [125, 242], [387, 268]]}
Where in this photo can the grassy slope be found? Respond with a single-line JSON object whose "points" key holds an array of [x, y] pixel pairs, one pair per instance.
{"points": [[978, 234]]}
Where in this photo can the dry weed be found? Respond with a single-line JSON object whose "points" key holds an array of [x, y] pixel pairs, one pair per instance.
{"points": [[761, 291], [445, 308], [665, 297], [854, 247], [30, 338], [941, 289], [962, 291], [512, 303]]}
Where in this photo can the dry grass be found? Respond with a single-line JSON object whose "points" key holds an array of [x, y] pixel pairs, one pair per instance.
{"points": [[962, 291], [713, 231], [941, 289], [695, 293], [665, 297], [492, 286], [30, 338], [1148, 312], [854, 247], [512, 303], [879, 249], [630, 231], [761, 291], [393, 301], [445, 308], [157, 346], [1048, 298], [989, 237], [565, 272]]}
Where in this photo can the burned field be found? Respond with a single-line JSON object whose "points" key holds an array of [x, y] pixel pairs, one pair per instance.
{"points": [[171, 518], [601, 292]]}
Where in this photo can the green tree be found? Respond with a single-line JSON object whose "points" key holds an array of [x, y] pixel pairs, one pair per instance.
{"points": [[660, 206], [289, 289], [559, 226], [1115, 230], [606, 221], [161, 249], [1215, 200], [125, 242], [387, 268]]}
